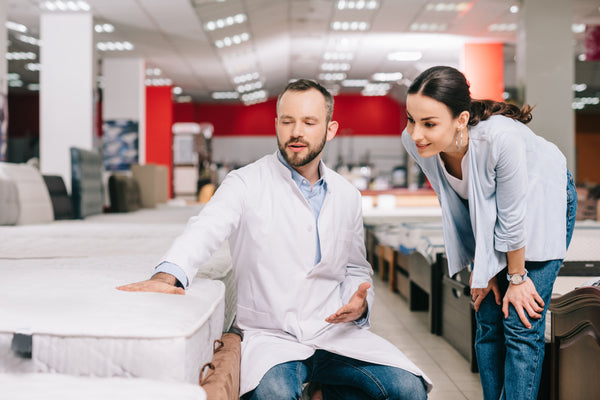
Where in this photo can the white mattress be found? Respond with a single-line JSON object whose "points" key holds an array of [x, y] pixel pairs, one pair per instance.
{"points": [[83, 239], [585, 244], [78, 239], [81, 325], [64, 387]]}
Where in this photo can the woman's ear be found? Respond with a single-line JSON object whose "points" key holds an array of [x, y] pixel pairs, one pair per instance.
{"points": [[463, 119]]}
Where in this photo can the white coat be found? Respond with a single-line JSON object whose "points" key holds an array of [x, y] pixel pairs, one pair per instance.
{"points": [[283, 297]]}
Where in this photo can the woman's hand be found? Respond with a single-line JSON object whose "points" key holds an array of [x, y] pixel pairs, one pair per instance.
{"points": [[523, 297], [479, 294]]}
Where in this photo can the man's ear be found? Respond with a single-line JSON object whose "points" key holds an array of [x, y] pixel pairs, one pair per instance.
{"points": [[332, 129]]}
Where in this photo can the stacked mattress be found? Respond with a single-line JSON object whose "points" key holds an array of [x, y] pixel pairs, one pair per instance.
{"points": [[60, 311], [64, 387]]}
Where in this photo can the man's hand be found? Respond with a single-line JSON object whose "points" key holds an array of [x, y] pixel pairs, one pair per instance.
{"points": [[523, 297], [160, 283], [355, 308], [479, 294]]}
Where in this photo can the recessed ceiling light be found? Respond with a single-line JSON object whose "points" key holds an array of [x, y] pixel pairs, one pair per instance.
{"points": [[405, 56], [335, 67], [357, 5], [225, 95], [355, 82], [14, 26], [387, 76], [225, 22], [60, 5], [428, 27], [332, 76], [578, 28], [349, 25]]}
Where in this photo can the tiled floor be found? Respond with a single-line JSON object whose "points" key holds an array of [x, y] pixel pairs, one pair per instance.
{"points": [[449, 371]]}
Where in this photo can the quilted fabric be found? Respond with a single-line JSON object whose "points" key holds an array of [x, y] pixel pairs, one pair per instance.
{"points": [[9, 202], [35, 206]]}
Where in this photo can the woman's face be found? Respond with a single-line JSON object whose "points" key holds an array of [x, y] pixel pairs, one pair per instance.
{"points": [[432, 126]]}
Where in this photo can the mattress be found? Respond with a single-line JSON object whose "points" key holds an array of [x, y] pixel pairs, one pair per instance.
{"points": [[65, 316], [82, 239], [65, 387], [584, 244]]}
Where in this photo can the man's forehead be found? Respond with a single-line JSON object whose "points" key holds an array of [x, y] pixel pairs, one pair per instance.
{"points": [[310, 102]]}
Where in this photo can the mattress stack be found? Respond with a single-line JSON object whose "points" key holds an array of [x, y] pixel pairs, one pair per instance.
{"points": [[60, 311]]}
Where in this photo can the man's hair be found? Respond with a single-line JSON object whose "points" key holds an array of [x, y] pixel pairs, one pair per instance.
{"points": [[302, 85]]}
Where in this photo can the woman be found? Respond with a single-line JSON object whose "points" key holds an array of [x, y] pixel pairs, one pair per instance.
{"points": [[508, 206]]}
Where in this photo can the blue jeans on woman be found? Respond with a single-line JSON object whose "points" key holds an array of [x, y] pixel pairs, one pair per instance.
{"points": [[340, 378], [509, 355]]}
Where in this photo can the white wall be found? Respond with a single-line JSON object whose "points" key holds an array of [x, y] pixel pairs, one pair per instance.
{"points": [[66, 89]]}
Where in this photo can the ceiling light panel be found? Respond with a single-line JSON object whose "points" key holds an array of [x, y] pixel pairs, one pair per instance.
{"points": [[14, 26], [350, 26], [225, 22], [357, 4], [63, 5]]}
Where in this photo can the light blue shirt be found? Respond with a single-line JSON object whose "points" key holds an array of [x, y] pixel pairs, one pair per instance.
{"points": [[314, 196], [517, 197]]}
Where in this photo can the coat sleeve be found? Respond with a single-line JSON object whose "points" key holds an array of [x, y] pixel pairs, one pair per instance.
{"points": [[206, 232], [358, 269], [511, 191]]}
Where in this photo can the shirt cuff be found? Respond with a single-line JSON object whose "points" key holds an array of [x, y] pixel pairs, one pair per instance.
{"points": [[363, 322], [175, 270]]}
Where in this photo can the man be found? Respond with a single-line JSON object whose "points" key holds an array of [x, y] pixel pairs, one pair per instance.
{"points": [[296, 236]]}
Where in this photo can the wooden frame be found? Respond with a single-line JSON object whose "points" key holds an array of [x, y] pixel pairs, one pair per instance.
{"points": [[576, 344]]}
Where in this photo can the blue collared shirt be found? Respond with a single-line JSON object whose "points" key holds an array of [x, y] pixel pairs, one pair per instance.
{"points": [[314, 195]]}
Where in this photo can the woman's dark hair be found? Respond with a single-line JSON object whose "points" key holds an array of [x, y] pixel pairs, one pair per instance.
{"points": [[449, 86]]}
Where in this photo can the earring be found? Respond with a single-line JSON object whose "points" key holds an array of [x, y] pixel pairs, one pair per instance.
{"points": [[459, 131]]}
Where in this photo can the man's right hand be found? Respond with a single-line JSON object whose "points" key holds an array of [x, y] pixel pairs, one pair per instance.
{"points": [[160, 282]]}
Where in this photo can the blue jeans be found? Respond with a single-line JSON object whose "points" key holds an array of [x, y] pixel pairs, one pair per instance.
{"points": [[509, 355], [340, 378]]}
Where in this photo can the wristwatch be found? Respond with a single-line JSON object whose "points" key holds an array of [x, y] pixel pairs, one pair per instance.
{"points": [[517, 279]]}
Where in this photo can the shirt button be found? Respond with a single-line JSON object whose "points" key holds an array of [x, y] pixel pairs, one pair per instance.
{"points": [[309, 228]]}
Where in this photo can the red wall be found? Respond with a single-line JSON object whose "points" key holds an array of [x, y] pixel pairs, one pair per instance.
{"points": [[358, 115], [484, 69], [159, 120]]}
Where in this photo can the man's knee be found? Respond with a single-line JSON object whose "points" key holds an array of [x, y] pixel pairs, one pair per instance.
{"points": [[407, 387], [278, 383]]}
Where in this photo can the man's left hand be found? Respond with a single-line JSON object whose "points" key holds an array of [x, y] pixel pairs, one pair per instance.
{"points": [[355, 308]]}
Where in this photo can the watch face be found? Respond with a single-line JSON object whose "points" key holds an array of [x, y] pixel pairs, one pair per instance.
{"points": [[516, 279]]}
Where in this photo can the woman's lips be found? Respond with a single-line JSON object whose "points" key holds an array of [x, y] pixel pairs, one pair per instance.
{"points": [[422, 146]]}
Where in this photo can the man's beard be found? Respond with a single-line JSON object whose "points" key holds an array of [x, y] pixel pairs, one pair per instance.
{"points": [[295, 160]]}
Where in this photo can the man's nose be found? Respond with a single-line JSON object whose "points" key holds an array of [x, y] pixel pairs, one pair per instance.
{"points": [[297, 130]]}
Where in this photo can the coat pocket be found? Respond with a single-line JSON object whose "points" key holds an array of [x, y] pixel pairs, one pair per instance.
{"points": [[249, 318]]}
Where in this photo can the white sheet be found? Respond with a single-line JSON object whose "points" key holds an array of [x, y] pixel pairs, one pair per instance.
{"points": [[82, 325], [64, 387]]}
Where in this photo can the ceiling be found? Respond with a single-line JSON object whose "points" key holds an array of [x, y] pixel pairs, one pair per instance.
{"points": [[290, 39]]}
